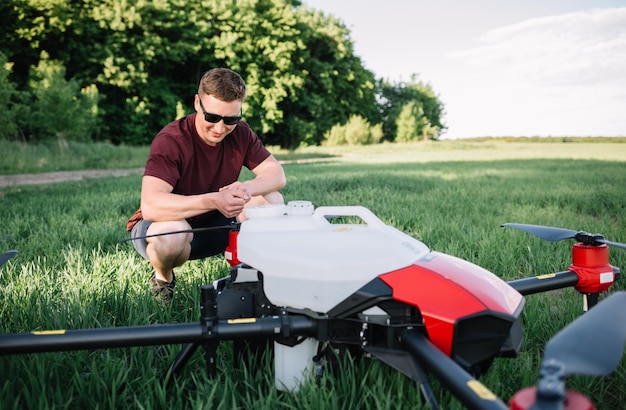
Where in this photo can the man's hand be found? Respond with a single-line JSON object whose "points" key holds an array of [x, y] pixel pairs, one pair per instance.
{"points": [[232, 198]]}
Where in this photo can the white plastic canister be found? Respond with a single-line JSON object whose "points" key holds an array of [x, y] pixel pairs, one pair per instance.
{"points": [[293, 366]]}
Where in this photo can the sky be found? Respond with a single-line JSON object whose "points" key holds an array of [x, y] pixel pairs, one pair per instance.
{"points": [[501, 67]]}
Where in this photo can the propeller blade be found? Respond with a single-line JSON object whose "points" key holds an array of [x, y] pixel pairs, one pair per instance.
{"points": [[611, 243], [544, 232], [558, 234], [592, 344], [8, 255]]}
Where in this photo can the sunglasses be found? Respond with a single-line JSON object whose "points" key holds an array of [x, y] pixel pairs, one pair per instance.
{"points": [[214, 118]]}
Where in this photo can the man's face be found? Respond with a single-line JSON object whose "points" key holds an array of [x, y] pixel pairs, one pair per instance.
{"points": [[224, 112]]}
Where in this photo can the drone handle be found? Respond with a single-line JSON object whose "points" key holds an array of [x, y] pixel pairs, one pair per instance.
{"points": [[365, 214]]}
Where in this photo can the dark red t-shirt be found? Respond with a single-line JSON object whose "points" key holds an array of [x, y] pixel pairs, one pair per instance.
{"points": [[181, 158]]}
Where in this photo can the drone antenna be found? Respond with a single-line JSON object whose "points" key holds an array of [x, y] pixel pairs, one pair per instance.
{"points": [[234, 225]]}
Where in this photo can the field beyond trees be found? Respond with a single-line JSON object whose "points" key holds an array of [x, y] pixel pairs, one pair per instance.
{"points": [[72, 272]]}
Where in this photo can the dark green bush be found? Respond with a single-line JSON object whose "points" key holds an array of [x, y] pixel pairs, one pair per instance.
{"points": [[51, 109]]}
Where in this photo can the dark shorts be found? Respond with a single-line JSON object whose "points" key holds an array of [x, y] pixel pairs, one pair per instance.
{"points": [[203, 245]]}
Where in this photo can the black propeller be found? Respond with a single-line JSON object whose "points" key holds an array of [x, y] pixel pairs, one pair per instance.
{"points": [[592, 344], [558, 234], [6, 256]]}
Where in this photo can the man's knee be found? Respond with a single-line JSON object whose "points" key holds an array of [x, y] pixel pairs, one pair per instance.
{"points": [[163, 241], [274, 198]]}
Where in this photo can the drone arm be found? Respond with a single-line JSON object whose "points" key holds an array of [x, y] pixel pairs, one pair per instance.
{"points": [[584, 280], [152, 335], [68, 340], [544, 283], [468, 390], [275, 326]]}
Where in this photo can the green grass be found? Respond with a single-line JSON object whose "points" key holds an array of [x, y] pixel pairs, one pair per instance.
{"points": [[21, 158], [72, 272]]}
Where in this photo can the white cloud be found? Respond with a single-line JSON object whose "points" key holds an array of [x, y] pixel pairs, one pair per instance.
{"points": [[556, 75], [585, 46], [531, 67]]}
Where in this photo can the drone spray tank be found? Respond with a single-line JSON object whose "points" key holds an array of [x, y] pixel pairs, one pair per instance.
{"points": [[310, 264], [370, 275]]}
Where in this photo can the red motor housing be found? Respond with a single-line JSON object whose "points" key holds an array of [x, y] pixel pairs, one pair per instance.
{"points": [[525, 399], [230, 254], [591, 264]]}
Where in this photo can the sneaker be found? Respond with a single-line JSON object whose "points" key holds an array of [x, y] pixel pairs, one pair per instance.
{"points": [[162, 290]]}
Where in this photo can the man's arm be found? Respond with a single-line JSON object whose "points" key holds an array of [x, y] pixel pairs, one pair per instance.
{"points": [[159, 204], [269, 177]]}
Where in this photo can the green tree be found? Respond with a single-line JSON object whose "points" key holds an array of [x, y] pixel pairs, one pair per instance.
{"points": [[413, 125], [146, 57], [12, 109], [357, 131], [427, 109], [336, 83], [51, 108], [259, 38], [300, 68], [407, 123], [61, 110]]}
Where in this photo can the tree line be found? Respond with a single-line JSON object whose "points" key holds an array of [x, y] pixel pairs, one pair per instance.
{"points": [[119, 70]]}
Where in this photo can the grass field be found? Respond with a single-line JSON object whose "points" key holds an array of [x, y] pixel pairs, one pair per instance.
{"points": [[72, 272]]}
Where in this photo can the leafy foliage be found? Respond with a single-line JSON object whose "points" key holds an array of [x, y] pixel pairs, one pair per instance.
{"points": [[52, 109], [411, 110], [412, 124], [11, 107], [357, 131], [145, 59], [62, 111]]}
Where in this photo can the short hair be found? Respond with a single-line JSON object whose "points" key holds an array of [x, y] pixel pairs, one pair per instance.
{"points": [[223, 84]]}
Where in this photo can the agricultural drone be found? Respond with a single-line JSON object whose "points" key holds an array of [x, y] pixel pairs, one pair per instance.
{"points": [[310, 282]]}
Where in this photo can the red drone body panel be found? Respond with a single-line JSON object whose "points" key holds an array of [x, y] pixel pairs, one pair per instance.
{"points": [[468, 290]]}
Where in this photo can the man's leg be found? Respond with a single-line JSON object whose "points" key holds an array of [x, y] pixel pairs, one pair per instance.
{"points": [[163, 252], [167, 252]]}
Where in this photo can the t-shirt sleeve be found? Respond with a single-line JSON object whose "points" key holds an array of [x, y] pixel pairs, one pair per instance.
{"points": [[256, 152], [164, 161]]}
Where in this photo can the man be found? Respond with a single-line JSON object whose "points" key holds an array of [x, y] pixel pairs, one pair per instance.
{"points": [[191, 180]]}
